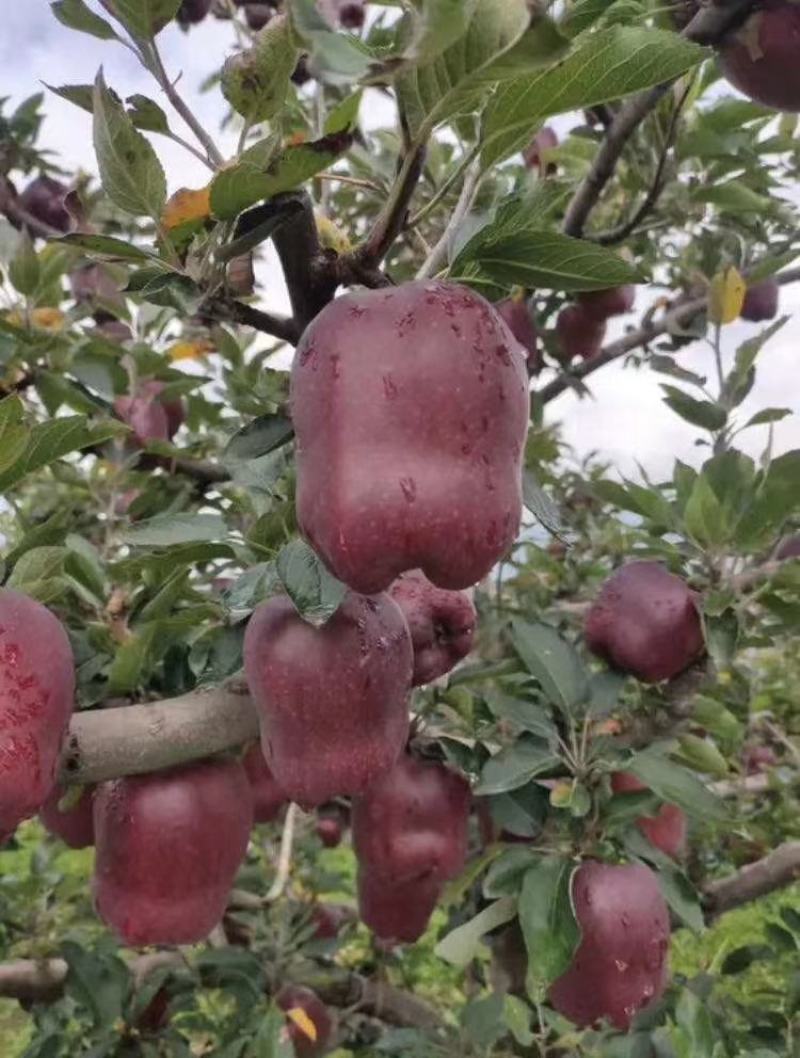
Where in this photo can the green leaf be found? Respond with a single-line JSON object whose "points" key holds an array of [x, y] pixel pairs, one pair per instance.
{"points": [[100, 983], [130, 171], [746, 356], [434, 92], [515, 766], [24, 270], [767, 415], [13, 432], [530, 716], [460, 946], [545, 259], [334, 57], [548, 922], [604, 65], [75, 14], [259, 174], [436, 26], [144, 18], [693, 1017], [164, 530], [517, 1016], [539, 503], [48, 442], [255, 81], [258, 438], [702, 755], [552, 661], [314, 591], [677, 785], [40, 564], [504, 877], [106, 246], [722, 633], [344, 116], [146, 114], [703, 515], [81, 95], [697, 412], [172, 291]]}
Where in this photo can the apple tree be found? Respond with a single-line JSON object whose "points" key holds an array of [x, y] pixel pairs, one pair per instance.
{"points": [[376, 721]]}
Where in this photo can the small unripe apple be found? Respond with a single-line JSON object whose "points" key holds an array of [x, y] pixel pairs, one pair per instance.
{"points": [[520, 322], [601, 305], [645, 622], [169, 845], [760, 58], [75, 825], [332, 701], [761, 301], [789, 548], [441, 623], [309, 1041], [621, 964], [578, 334], [268, 797], [666, 830], [535, 154], [37, 691], [43, 198]]}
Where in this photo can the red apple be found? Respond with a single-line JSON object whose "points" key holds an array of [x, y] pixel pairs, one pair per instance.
{"points": [[761, 301], [43, 198], [520, 322], [329, 831], [666, 830], [397, 912], [332, 701], [410, 406], [578, 334], [760, 58], [441, 623], [294, 997], [75, 825], [600, 305], [620, 965], [789, 548], [328, 920], [268, 797]]}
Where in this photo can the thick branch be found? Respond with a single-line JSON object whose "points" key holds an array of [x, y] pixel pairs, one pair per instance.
{"points": [[310, 275], [228, 309], [393, 216], [777, 870], [135, 739]]}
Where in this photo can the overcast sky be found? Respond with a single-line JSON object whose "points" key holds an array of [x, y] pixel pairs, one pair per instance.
{"points": [[626, 421]]}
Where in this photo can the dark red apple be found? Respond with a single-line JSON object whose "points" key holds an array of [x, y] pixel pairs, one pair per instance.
{"points": [[332, 701], [37, 691], [410, 406], [349, 14], [94, 285], [329, 830], [268, 797], [441, 623], [760, 58], [328, 920], [621, 964], [257, 15], [309, 1041], [75, 825], [535, 154], [413, 822], [520, 322], [397, 912], [758, 759], [578, 334], [761, 301], [601, 305], [666, 830], [193, 11], [43, 198], [645, 622], [146, 417], [789, 548], [173, 406], [169, 845]]}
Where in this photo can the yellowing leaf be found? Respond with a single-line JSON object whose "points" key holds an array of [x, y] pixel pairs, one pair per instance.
{"points": [[187, 205], [331, 236], [726, 296], [191, 350], [48, 319], [303, 1022]]}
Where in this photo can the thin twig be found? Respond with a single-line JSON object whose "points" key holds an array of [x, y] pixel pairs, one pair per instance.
{"points": [[214, 156], [284, 856], [438, 254], [223, 308], [392, 217]]}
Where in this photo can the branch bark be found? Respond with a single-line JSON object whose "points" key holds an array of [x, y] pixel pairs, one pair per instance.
{"points": [[223, 308], [311, 277], [775, 871]]}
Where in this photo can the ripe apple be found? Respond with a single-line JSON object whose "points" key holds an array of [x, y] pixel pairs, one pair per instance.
{"points": [[150, 417], [760, 58], [37, 691], [410, 406], [349, 14], [645, 622], [578, 334], [193, 11], [789, 548], [601, 305], [666, 830], [329, 831], [268, 797], [761, 301], [328, 920], [397, 912], [169, 845], [620, 965], [520, 322], [535, 154], [441, 623], [257, 15], [332, 701], [309, 1040], [75, 826], [43, 198]]}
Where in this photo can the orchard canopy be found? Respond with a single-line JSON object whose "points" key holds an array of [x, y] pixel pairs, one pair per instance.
{"points": [[347, 706]]}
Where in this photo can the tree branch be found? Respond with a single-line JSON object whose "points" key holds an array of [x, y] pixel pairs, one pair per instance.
{"points": [[311, 276], [709, 26], [392, 217], [228, 309], [135, 739], [776, 871], [469, 189]]}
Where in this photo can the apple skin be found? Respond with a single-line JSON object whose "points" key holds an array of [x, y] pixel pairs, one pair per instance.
{"points": [[441, 623], [294, 996], [146, 418], [43, 198], [37, 692], [268, 798], [645, 622], [760, 59], [328, 920], [789, 548], [192, 12], [544, 140], [578, 334], [75, 827], [397, 912], [601, 305], [329, 831], [519, 319], [324, 738], [169, 845], [433, 390], [761, 301], [621, 964], [666, 830], [176, 414]]}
